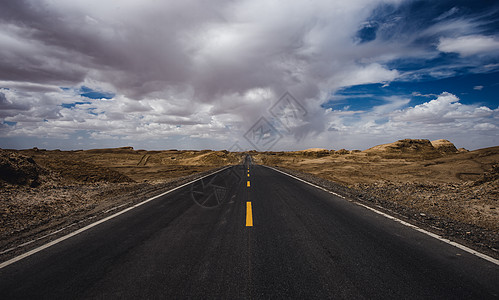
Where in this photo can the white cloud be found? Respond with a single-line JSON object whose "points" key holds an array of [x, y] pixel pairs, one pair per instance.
{"points": [[470, 45], [478, 87], [447, 14], [485, 126], [372, 73], [442, 117], [445, 109]]}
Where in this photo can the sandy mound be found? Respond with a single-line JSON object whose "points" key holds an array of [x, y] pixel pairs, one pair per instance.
{"points": [[407, 148], [417, 147], [404, 146], [212, 158], [111, 150], [313, 150], [444, 146], [19, 169], [342, 152], [83, 172]]}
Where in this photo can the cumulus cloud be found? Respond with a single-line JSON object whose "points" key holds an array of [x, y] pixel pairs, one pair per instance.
{"points": [[444, 109], [470, 45], [394, 119]]}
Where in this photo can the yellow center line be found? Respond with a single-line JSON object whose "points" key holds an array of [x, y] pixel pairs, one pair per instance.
{"points": [[248, 183], [249, 215], [248, 174]]}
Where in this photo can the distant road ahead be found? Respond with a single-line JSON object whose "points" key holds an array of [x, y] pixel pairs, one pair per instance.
{"points": [[303, 243]]}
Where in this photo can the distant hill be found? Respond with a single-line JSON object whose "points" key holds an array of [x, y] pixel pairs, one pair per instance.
{"points": [[313, 150], [416, 147], [444, 146]]}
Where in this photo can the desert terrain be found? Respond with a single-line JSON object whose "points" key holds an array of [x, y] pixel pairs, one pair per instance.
{"points": [[453, 192]]}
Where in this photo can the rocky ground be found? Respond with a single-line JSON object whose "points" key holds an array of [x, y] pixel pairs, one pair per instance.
{"points": [[470, 202]]}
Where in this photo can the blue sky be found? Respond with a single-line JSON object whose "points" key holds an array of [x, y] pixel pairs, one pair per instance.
{"points": [[465, 77], [479, 89], [191, 75]]}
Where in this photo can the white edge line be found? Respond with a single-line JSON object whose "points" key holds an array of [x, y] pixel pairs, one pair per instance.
{"points": [[31, 252], [433, 235]]}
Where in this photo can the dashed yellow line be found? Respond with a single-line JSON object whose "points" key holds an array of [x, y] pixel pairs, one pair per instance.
{"points": [[248, 183], [249, 215]]}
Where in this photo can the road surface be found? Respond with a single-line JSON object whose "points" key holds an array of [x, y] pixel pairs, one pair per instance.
{"points": [[302, 242]]}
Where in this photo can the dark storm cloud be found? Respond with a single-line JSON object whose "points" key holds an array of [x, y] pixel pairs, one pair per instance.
{"points": [[199, 69], [7, 108], [207, 50], [6, 105], [137, 49], [204, 50]]}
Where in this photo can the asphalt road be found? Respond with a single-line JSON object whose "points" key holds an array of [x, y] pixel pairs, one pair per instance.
{"points": [[303, 243]]}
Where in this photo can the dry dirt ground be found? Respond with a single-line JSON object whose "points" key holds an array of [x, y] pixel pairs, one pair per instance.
{"points": [[41, 191], [453, 191]]}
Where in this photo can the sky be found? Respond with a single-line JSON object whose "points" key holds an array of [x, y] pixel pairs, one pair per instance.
{"points": [[247, 74]]}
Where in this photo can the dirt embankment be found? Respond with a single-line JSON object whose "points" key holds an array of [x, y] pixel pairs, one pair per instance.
{"points": [[40, 189], [422, 180], [18, 169]]}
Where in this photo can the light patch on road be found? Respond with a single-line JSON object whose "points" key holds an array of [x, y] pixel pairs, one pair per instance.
{"points": [[249, 215]]}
